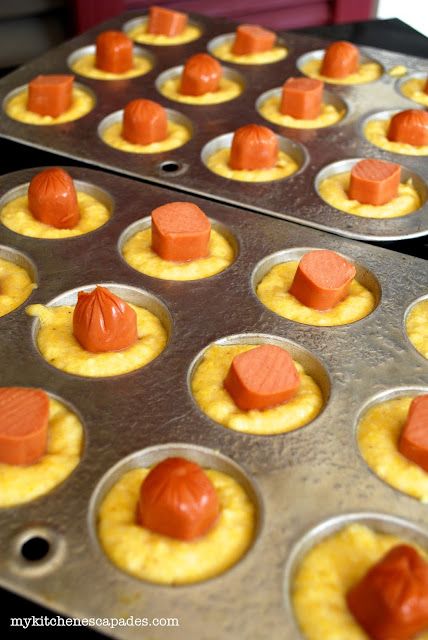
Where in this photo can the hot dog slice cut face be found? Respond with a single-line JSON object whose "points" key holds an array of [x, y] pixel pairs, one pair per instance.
{"points": [[410, 127], [253, 147], [113, 52], [180, 232], [50, 95], [374, 181], [413, 443], [52, 198], [302, 98], [166, 22], [201, 74], [341, 59], [144, 122], [251, 38]]}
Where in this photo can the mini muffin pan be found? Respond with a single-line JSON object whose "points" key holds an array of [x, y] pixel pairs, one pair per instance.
{"points": [[293, 198], [297, 480]]}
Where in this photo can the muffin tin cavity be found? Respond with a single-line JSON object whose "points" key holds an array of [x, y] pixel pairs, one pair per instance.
{"points": [[228, 39], [417, 80], [20, 259], [421, 343], [90, 50], [141, 21], [230, 75], [380, 134], [318, 54]]}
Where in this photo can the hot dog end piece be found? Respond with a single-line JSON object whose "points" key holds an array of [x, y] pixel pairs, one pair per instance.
{"points": [[322, 279], [253, 147], [177, 499], [262, 378], [52, 199], [302, 98], [413, 443], [201, 74], [410, 127], [166, 22], [341, 58], [114, 52], [144, 122], [50, 95], [104, 322], [180, 232], [374, 182], [391, 600], [24, 417], [251, 38]]}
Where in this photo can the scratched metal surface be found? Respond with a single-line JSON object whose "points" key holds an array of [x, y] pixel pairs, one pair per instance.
{"points": [[304, 477], [294, 198]]}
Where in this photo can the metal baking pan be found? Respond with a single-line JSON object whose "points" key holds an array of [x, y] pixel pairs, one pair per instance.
{"points": [[297, 480], [294, 198]]}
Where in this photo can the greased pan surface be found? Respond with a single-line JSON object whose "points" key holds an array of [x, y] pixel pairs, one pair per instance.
{"points": [[303, 477], [294, 198]]}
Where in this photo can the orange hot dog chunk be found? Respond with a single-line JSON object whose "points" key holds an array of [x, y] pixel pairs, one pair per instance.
{"points": [[251, 38], [114, 52], [104, 322], [52, 198], [180, 232], [413, 443], [322, 279], [391, 601], [301, 98], [426, 86], [166, 22], [177, 499], [262, 377], [144, 122], [50, 95], [410, 126], [341, 58], [201, 74], [254, 147], [374, 181], [24, 416]]}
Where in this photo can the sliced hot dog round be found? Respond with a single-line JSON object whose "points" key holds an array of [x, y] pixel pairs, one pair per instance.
{"points": [[391, 601], [104, 322], [52, 198], [24, 416], [251, 38], [322, 279], [410, 126], [166, 22], [374, 181], [262, 378], [201, 74], [180, 232], [144, 122], [253, 147], [177, 499], [413, 443], [113, 52], [302, 98], [341, 59], [50, 95]]}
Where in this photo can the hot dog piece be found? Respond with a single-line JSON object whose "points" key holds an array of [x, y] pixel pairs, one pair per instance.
{"points": [[113, 52], [391, 600], [341, 59], [253, 147], [251, 38], [104, 322], [166, 22], [24, 416], [413, 443], [302, 98], [410, 126], [322, 279], [201, 74], [374, 181], [426, 86], [262, 378], [180, 232], [52, 198], [177, 499], [50, 95], [144, 122]]}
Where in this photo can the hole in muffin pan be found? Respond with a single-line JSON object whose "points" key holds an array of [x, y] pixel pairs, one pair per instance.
{"points": [[228, 38], [419, 75], [379, 522], [172, 167], [20, 259], [142, 20], [318, 54], [23, 87], [91, 50], [329, 98], [206, 458], [174, 72], [36, 550], [406, 315]]}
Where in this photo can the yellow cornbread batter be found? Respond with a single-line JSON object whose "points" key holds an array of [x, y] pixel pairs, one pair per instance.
{"points": [[178, 135], [219, 163], [15, 286], [215, 401], [273, 292], [85, 66], [376, 133], [157, 558], [60, 348], [398, 71], [16, 215], [16, 108], [417, 327], [326, 574], [414, 89], [224, 52], [19, 483], [367, 72], [378, 435], [139, 34], [334, 191], [138, 254], [329, 115], [228, 90]]}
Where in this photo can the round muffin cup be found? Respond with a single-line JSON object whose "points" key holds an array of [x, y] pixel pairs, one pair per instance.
{"points": [[91, 50], [406, 315], [142, 21], [228, 38], [21, 260], [329, 98], [420, 75], [384, 115], [318, 54], [174, 72]]}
